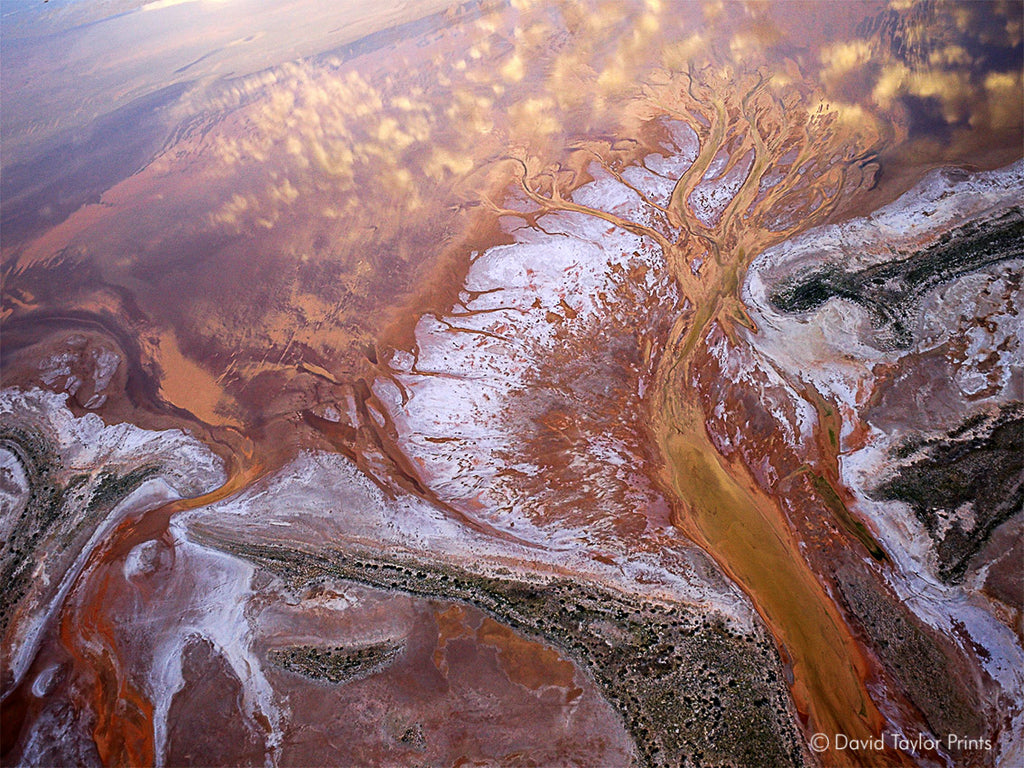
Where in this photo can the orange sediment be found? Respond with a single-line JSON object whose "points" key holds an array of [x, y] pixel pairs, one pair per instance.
{"points": [[742, 527], [124, 731]]}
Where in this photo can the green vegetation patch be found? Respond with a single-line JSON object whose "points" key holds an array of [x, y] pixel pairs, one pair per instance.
{"points": [[112, 487], [891, 291], [57, 512], [337, 664], [949, 705], [846, 518], [963, 485]]}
